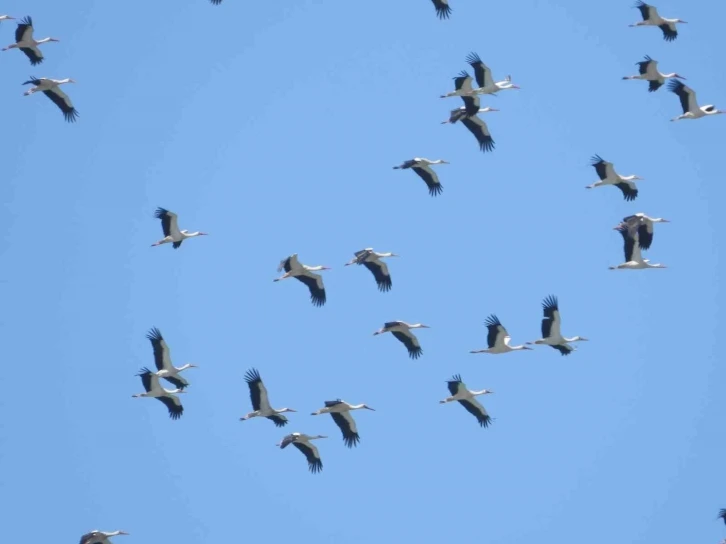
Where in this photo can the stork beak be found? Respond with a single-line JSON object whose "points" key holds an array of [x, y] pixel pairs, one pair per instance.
{"points": [[123, 533], [369, 408]]}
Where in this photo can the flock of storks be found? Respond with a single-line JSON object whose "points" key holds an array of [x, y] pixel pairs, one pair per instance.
{"points": [[636, 230]]}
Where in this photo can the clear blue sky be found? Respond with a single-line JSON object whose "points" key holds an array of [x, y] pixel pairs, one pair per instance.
{"points": [[274, 127]]}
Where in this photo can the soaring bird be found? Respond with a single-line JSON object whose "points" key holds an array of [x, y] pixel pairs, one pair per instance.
{"points": [[302, 442], [608, 176], [422, 167], [162, 360], [498, 338], [171, 229], [26, 43], [443, 11], [155, 391], [551, 335], [484, 80], [304, 274], [340, 410], [261, 402], [643, 225], [648, 71], [633, 258], [49, 87], [372, 261], [467, 399], [99, 537], [651, 18], [402, 332], [691, 109]]}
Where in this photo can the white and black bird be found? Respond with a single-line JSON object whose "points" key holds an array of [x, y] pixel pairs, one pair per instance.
{"points": [[99, 537], [648, 71], [162, 360], [608, 176], [498, 338], [422, 167], [302, 442], [261, 402], [643, 225], [305, 274], [467, 399], [443, 11], [172, 234], [50, 88], [402, 332], [484, 80], [155, 391], [372, 261], [652, 18], [631, 247], [551, 322], [340, 410], [26, 43], [691, 109]]}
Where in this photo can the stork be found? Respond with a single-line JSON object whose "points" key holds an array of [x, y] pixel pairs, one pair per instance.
{"points": [[26, 43], [340, 410], [443, 11], [372, 261], [304, 274], [155, 391], [651, 18], [467, 399], [643, 225], [633, 258], [422, 167], [402, 332], [498, 338], [551, 328], [648, 71], [484, 80], [99, 537], [172, 234], [302, 442], [49, 87], [261, 402], [691, 109], [162, 360], [608, 176]]}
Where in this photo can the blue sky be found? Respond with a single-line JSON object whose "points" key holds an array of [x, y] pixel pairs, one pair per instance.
{"points": [[274, 127]]}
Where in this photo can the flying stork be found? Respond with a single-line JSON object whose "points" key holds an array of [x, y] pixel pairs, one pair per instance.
{"points": [[26, 43], [498, 338], [422, 167], [302, 442], [651, 18], [171, 229], [261, 402], [648, 71], [340, 410], [49, 87], [608, 176], [551, 328], [5, 18], [443, 11], [467, 399], [402, 331], [483, 76], [155, 391], [633, 258], [372, 261], [162, 359], [99, 537], [643, 225], [687, 96], [304, 274]]}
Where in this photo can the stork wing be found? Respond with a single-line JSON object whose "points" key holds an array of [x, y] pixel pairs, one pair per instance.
{"points": [[408, 339], [24, 32], [314, 283], [455, 384], [686, 95], [481, 71], [462, 82], [346, 424], [480, 131], [477, 410], [379, 269], [443, 11], [162, 354], [311, 454], [173, 404], [258, 391], [472, 104], [551, 321], [149, 380], [431, 179], [646, 11]]}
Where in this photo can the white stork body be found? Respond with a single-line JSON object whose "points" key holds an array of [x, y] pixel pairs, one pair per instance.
{"points": [[304, 274], [340, 410], [26, 43], [608, 176], [443, 11], [633, 258], [99, 537], [551, 335], [691, 109], [498, 338], [484, 80], [642, 225], [155, 391], [50, 88], [261, 402], [402, 332], [648, 71], [172, 234], [467, 399], [162, 360], [302, 443], [372, 261], [652, 18], [422, 167]]}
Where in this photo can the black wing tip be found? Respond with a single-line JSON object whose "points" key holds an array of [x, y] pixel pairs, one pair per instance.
{"points": [[675, 86], [596, 159], [144, 371], [318, 300], [71, 115], [315, 466], [722, 514], [492, 321], [463, 73], [154, 334], [456, 378], [176, 413], [160, 212], [550, 302], [487, 144], [36, 61], [629, 194], [485, 421], [351, 440], [279, 422], [252, 375], [472, 58], [436, 190], [27, 20], [415, 353]]}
